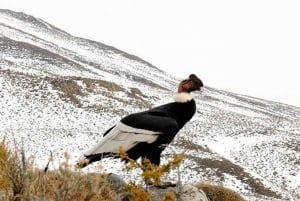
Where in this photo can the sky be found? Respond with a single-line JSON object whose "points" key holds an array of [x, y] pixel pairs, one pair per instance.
{"points": [[246, 47]]}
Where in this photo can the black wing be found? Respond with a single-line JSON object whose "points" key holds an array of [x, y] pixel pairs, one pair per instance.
{"points": [[136, 128]]}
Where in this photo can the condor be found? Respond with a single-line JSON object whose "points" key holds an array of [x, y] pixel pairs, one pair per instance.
{"points": [[146, 134]]}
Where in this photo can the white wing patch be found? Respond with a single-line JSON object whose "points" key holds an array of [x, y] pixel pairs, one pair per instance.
{"points": [[122, 136]]}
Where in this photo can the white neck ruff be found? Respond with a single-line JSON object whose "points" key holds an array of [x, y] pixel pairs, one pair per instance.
{"points": [[183, 97]]}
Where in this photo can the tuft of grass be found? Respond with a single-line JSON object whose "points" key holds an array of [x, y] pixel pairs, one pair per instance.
{"points": [[13, 176], [219, 193], [64, 184], [4, 155]]}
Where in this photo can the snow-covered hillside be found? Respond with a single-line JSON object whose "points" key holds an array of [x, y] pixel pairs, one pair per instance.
{"points": [[59, 93]]}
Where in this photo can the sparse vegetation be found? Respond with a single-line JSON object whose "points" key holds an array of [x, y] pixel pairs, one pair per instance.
{"points": [[219, 193], [69, 88], [92, 84], [152, 172], [20, 180], [71, 91]]}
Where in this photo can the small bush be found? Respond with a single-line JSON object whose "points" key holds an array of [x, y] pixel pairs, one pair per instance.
{"points": [[219, 193], [13, 174], [64, 184], [151, 174]]}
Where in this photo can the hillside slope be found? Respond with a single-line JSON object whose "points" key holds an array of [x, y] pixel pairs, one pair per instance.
{"points": [[59, 93]]}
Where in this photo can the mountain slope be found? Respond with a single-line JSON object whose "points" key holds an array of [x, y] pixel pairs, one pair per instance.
{"points": [[59, 93]]}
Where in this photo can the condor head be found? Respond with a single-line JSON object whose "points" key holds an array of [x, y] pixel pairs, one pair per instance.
{"points": [[193, 83]]}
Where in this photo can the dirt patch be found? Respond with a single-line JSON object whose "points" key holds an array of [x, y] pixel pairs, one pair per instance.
{"points": [[190, 145], [91, 85], [225, 166], [69, 88]]}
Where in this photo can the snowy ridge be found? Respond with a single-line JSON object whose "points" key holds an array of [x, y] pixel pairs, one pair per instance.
{"points": [[78, 56], [60, 93]]}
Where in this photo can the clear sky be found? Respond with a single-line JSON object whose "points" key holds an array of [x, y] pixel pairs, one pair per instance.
{"points": [[247, 47]]}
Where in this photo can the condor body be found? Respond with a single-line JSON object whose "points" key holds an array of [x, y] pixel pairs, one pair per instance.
{"points": [[146, 134]]}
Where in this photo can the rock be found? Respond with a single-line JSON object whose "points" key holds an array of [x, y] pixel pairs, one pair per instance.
{"points": [[187, 192], [191, 193], [117, 182]]}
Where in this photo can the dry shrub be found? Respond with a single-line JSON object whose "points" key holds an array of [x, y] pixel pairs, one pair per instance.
{"points": [[19, 180], [151, 174], [169, 196], [64, 184], [4, 155], [136, 192], [14, 175], [219, 193]]}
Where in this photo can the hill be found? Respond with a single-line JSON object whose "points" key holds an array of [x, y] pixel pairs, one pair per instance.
{"points": [[59, 92]]}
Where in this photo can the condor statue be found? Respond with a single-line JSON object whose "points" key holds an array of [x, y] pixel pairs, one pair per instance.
{"points": [[146, 134]]}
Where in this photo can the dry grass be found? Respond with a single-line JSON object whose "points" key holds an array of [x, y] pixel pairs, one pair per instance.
{"points": [[69, 88], [219, 193], [64, 184], [19, 181], [92, 84], [70, 91]]}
